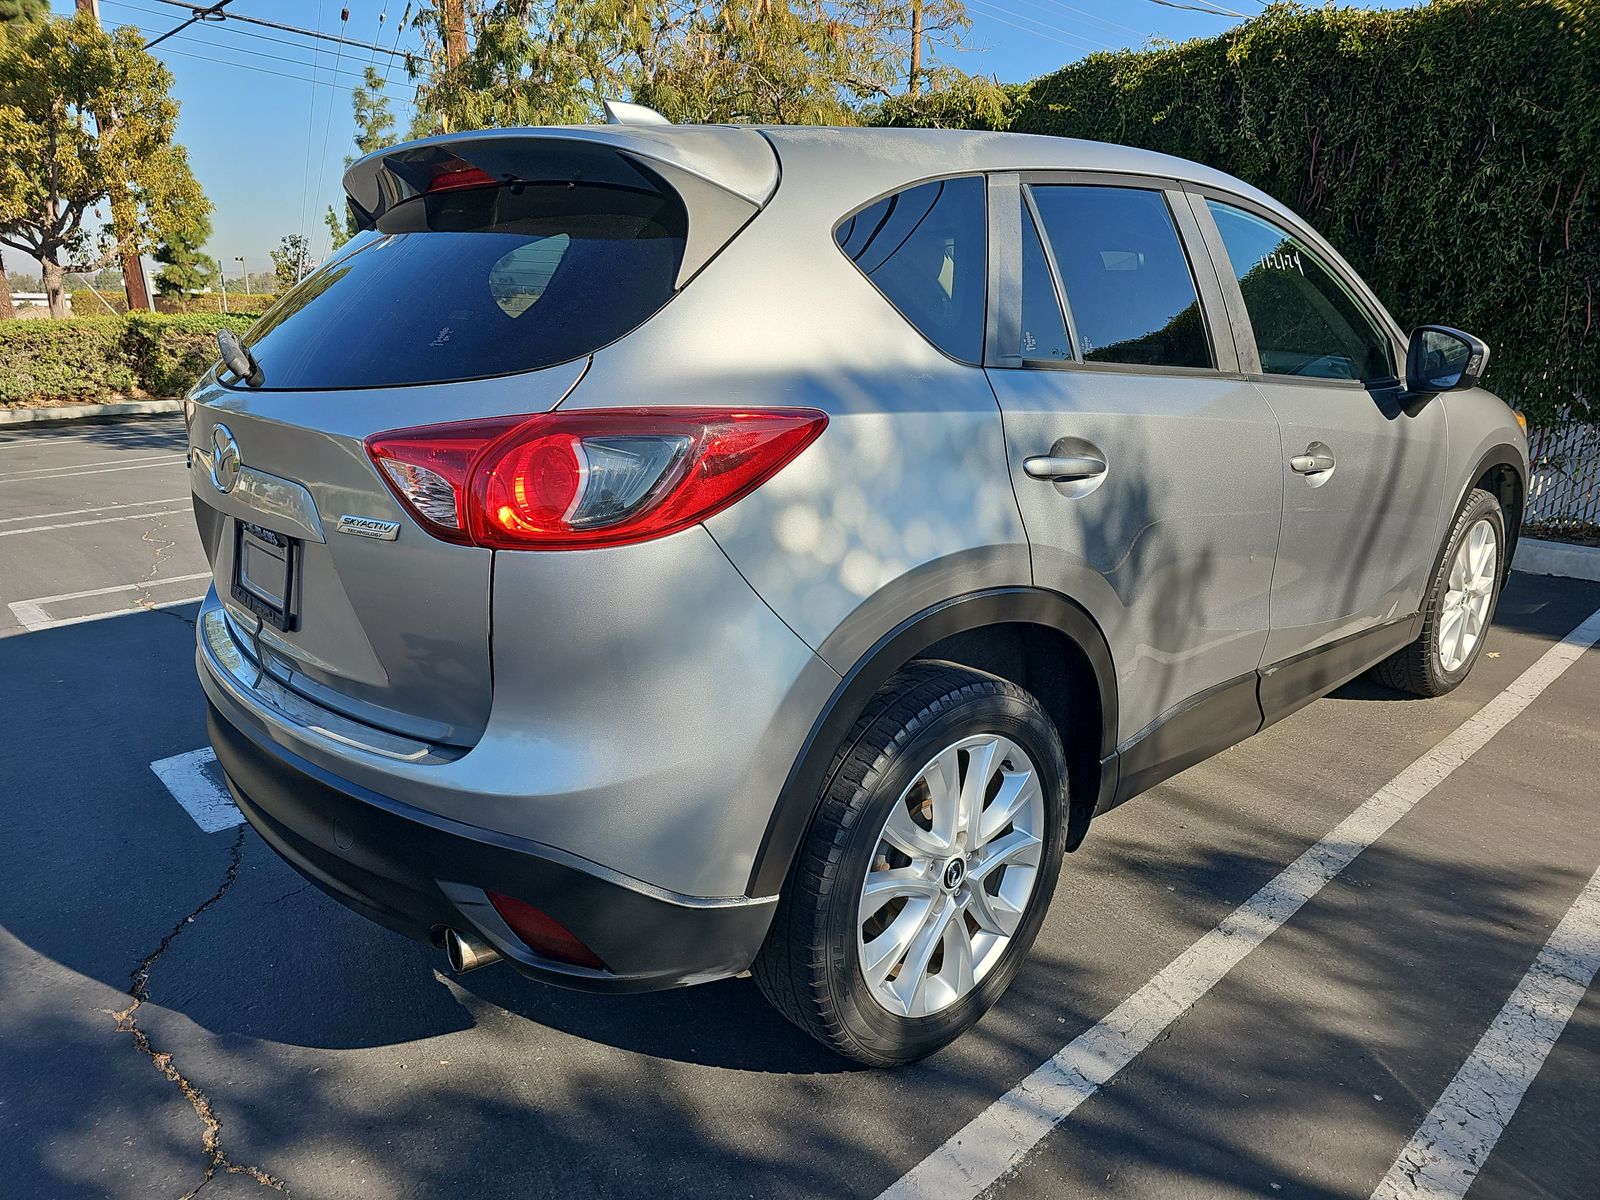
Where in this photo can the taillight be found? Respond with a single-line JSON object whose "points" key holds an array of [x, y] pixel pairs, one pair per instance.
{"points": [[578, 480]]}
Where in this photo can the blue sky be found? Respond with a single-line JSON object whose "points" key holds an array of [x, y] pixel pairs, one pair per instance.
{"points": [[266, 115]]}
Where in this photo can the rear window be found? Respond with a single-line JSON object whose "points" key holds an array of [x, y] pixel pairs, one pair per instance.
{"points": [[923, 248], [478, 282]]}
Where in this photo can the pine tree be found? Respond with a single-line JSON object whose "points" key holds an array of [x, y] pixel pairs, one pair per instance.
{"points": [[184, 269]]}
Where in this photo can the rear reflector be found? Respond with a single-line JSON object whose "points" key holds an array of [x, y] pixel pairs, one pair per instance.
{"points": [[543, 934], [584, 479]]}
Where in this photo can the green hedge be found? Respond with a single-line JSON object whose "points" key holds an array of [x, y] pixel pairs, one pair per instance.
{"points": [[1450, 151], [96, 359], [87, 304]]}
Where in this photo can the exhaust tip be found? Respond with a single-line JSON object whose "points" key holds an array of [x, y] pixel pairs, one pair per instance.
{"points": [[467, 953]]}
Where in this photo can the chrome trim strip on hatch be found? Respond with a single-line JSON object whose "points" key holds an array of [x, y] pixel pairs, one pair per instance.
{"points": [[258, 496]]}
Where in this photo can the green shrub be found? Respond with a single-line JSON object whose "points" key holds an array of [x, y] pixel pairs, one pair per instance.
{"points": [[87, 304], [168, 353], [1449, 151], [94, 359], [45, 362]]}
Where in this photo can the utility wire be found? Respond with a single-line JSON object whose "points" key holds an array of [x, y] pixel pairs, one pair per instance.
{"points": [[200, 14], [1093, 43], [311, 33], [1028, 29], [230, 27], [1215, 11], [305, 178], [1106, 21], [327, 125]]}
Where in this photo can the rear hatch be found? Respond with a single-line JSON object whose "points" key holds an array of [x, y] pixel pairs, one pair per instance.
{"points": [[490, 267]]}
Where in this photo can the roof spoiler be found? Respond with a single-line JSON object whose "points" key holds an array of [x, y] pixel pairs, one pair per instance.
{"points": [[723, 175]]}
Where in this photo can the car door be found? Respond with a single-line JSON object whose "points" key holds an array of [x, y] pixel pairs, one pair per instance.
{"points": [[1145, 466], [1363, 470]]}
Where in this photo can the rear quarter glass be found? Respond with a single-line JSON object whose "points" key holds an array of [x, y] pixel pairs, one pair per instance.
{"points": [[478, 282]]}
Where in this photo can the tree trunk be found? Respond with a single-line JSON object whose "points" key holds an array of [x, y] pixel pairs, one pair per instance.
{"points": [[55, 288], [123, 217], [914, 84], [8, 310]]}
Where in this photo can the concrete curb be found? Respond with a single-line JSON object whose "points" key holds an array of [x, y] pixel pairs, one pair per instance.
{"points": [[87, 412], [1538, 557]]}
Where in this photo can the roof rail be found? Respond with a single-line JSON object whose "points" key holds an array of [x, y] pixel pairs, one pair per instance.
{"points": [[619, 112]]}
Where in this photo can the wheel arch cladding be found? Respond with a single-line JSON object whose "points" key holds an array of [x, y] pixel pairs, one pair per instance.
{"points": [[1501, 475], [1038, 639]]}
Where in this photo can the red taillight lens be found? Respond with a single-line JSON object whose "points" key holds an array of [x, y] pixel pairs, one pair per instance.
{"points": [[579, 480], [543, 933], [428, 469]]}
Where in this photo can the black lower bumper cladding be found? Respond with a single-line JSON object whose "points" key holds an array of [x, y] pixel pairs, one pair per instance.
{"points": [[411, 870]]}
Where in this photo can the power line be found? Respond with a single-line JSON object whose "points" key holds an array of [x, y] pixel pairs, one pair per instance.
{"points": [[200, 14], [1215, 11], [226, 28], [1093, 43], [1106, 21], [305, 178], [346, 80], [1034, 26], [222, 17], [1049, 37], [327, 126]]}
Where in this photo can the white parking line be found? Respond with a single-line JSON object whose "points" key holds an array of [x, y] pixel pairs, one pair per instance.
{"points": [[994, 1142], [1455, 1139], [102, 462], [138, 466], [31, 615], [78, 512], [144, 516], [195, 781]]}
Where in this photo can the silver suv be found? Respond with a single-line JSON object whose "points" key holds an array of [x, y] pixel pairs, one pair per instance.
{"points": [[648, 553]]}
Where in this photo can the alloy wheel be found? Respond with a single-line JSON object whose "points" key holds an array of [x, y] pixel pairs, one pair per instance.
{"points": [[1469, 592], [951, 876]]}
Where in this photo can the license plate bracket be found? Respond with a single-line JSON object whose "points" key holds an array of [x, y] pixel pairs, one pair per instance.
{"points": [[265, 574]]}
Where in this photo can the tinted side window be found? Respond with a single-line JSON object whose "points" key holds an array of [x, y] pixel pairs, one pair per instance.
{"points": [[1044, 331], [1306, 323], [923, 248], [1128, 281]]}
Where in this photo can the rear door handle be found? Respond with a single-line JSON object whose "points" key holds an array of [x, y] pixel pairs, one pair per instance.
{"points": [[1064, 468], [1311, 464]]}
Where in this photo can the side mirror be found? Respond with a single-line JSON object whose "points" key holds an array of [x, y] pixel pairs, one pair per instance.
{"points": [[1442, 359]]}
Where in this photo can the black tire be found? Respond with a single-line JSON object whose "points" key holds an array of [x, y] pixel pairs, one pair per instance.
{"points": [[809, 966], [1418, 668]]}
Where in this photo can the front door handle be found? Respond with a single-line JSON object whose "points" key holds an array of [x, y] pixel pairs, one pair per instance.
{"points": [[1310, 463], [1064, 468]]}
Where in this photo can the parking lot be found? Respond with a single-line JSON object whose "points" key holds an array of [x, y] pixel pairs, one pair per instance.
{"points": [[1325, 964]]}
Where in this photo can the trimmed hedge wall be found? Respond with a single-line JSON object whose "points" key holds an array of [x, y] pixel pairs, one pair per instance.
{"points": [[95, 359], [86, 304], [1450, 151]]}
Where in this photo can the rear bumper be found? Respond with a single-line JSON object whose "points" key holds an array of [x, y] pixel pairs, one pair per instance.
{"points": [[420, 873]]}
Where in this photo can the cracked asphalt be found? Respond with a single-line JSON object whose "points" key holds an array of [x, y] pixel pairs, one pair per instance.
{"points": [[182, 1015]]}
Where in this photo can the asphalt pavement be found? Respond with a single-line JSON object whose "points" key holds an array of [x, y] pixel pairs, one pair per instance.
{"points": [[179, 1010]]}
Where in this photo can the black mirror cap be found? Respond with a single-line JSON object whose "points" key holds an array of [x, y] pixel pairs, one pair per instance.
{"points": [[1442, 359]]}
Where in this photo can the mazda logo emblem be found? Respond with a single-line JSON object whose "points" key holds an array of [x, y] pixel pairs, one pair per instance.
{"points": [[954, 872], [224, 459]]}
